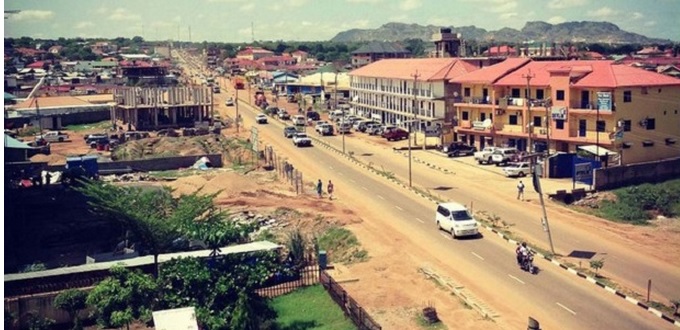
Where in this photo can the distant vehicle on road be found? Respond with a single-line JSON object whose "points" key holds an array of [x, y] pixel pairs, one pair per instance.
{"points": [[517, 169], [484, 155], [302, 140], [289, 131], [344, 127], [299, 120], [229, 102], [458, 148], [53, 136], [313, 115], [456, 219], [396, 134], [261, 118], [324, 129], [284, 115]]}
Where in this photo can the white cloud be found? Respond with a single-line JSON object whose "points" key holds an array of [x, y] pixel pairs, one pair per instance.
{"points": [[438, 21], [561, 4], [505, 7], [121, 14], [650, 23], [508, 15], [307, 23], [84, 25], [26, 15], [603, 12], [556, 20], [363, 1], [399, 18], [407, 5], [638, 15]]}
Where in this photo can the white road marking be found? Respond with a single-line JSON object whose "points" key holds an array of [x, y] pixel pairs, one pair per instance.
{"points": [[420, 220], [445, 236], [352, 181], [364, 188], [477, 255], [516, 279], [383, 198], [331, 167], [566, 308], [341, 173], [399, 208]]}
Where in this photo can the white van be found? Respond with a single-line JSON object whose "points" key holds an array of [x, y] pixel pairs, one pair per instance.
{"points": [[456, 219], [299, 120]]}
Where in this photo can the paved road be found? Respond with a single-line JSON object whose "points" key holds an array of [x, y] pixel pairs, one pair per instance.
{"points": [[558, 299]]}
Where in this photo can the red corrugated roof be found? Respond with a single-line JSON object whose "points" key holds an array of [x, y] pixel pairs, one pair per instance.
{"points": [[587, 74], [490, 74], [428, 69], [500, 50], [36, 65]]}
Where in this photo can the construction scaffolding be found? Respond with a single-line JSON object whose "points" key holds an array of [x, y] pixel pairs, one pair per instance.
{"points": [[167, 107]]}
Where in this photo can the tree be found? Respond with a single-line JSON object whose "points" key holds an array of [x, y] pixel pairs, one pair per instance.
{"points": [[123, 297], [144, 212], [597, 265], [72, 301]]}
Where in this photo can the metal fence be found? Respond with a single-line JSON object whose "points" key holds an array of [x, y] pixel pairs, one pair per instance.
{"points": [[286, 170], [285, 284], [351, 308]]}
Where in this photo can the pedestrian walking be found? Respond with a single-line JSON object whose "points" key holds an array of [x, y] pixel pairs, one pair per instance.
{"points": [[319, 188], [330, 190], [520, 190]]}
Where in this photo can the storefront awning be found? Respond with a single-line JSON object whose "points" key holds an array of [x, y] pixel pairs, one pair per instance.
{"points": [[598, 151]]}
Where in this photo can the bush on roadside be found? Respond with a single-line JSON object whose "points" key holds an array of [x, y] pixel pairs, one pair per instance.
{"points": [[637, 204]]}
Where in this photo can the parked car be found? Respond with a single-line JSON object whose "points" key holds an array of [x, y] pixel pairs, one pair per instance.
{"points": [[229, 102], [313, 115], [324, 129], [396, 134], [261, 118], [289, 131], [517, 169], [272, 111], [302, 140], [484, 155], [458, 148], [283, 115], [134, 135], [503, 156], [52, 136], [361, 127], [456, 219], [374, 129], [344, 128], [93, 139]]}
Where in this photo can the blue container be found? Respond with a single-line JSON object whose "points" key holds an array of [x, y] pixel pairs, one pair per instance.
{"points": [[88, 163], [323, 259]]}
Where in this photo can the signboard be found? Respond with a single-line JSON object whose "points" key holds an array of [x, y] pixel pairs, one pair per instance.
{"points": [[604, 101], [559, 113], [583, 170], [376, 116]]}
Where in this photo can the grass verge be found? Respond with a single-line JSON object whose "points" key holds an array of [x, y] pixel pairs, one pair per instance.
{"points": [[342, 246], [309, 308]]}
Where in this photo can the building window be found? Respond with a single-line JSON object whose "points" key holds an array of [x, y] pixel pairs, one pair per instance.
{"points": [[559, 124], [651, 123], [515, 92], [560, 95], [644, 91], [601, 126], [539, 94], [513, 120], [466, 92], [647, 143], [538, 121], [627, 96], [626, 125], [466, 115]]}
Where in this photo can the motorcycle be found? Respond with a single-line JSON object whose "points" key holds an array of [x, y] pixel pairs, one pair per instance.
{"points": [[527, 263]]}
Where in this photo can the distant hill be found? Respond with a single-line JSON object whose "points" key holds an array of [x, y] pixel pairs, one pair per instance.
{"points": [[586, 31]]}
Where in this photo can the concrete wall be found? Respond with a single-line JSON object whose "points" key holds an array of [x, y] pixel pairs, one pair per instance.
{"points": [[614, 177], [154, 164], [39, 304]]}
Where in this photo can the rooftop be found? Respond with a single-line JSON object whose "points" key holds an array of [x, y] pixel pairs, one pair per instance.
{"points": [[378, 47], [490, 74], [428, 69], [64, 101]]}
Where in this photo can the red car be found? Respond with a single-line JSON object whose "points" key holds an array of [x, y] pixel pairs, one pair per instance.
{"points": [[395, 134]]}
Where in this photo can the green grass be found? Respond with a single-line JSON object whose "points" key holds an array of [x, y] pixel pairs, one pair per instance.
{"points": [[84, 127], [422, 323], [309, 308], [342, 246]]}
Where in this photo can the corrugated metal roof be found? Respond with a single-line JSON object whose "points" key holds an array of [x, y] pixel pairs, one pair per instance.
{"points": [[377, 47], [145, 260], [429, 69], [13, 143], [489, 74]]}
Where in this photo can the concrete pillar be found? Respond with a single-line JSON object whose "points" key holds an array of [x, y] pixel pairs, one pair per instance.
{"points": [[173, 114], [155, 117]]}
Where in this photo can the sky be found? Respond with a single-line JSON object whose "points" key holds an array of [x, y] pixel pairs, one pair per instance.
{"points": [[315, 20]]}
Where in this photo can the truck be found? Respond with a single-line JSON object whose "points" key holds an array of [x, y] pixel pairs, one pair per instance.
{"points": [[484, 155], [52, 136], [302, 140]]}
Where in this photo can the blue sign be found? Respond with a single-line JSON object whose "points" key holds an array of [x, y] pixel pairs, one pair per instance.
{"points": [[583, 170], [604, 101]]}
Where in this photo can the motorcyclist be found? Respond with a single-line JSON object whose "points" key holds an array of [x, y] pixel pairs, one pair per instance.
{"points": [[522, 252]]}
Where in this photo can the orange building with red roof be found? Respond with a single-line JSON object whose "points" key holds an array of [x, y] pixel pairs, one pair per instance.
{"points": [[385, 91], [571, 105]]}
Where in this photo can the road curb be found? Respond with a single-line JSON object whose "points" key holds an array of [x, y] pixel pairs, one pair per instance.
{"points": [[592, 280]]}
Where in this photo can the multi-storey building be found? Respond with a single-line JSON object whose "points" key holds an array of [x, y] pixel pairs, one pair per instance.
{"points": [[595, 106], [398, 91], [376, 50]]}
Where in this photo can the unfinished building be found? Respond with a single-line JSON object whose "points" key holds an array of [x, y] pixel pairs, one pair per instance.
{"points": [[157, 108]]}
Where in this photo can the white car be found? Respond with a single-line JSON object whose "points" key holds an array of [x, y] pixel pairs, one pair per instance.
{"points": [[517, 169], [53, 136], [261, 118], [456, 219], [302, 140]]}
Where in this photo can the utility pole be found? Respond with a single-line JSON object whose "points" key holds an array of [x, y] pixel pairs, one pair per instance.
{"points": [[415, 100], [236, 104], [528, 77]]}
